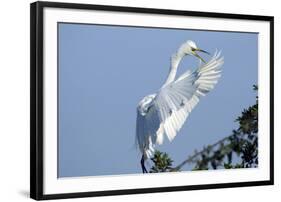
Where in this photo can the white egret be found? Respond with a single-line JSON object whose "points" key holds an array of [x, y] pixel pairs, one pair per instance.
{"points": [[164, 112]]}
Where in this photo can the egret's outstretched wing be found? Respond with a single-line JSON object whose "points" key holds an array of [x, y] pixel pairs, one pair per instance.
{"points": [[166, 112], [198, 84]]}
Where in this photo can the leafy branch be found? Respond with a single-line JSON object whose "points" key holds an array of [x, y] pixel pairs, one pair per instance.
{"points": [[243, 142]]}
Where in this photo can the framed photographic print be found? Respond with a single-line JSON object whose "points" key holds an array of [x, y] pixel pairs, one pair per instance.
{"points": [[136, 100]]}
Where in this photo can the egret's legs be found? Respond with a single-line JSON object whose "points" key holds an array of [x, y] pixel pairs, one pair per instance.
{"points": [[142, 165]]}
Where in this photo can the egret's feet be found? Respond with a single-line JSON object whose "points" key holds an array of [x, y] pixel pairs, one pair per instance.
{"points": [[142, 165]]}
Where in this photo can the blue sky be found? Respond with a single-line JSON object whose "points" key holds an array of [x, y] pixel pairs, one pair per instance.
{"points": [[104, 71]]}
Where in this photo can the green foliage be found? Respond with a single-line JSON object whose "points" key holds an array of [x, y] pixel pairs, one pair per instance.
{"points": [[162, 162], [243, 143]]}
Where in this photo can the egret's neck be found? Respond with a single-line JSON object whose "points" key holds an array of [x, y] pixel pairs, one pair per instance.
{"points": [[175, 60]]}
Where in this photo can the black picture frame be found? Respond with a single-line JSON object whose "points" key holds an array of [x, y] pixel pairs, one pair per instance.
{"points": [[36, 98]]}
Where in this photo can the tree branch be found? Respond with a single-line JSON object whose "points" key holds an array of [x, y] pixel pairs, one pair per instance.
{"points": [[190, 159]]}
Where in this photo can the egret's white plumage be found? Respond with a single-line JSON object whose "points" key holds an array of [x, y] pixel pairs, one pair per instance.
{"points": [[165, 112]]}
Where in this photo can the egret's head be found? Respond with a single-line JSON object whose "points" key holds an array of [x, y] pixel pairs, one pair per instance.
{"points": [[190, 48]]}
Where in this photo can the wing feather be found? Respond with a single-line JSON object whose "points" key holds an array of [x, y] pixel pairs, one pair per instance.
{"points": [[170, 107]]}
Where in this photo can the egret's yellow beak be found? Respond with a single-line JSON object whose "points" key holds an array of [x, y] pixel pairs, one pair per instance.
{"points": [[198, 56]]}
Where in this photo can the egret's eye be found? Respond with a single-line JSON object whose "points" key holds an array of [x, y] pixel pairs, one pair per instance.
{"points": [[193, 49]]}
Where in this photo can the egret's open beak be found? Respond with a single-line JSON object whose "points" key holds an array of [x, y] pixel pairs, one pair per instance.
{"points": [[198, 56]]}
